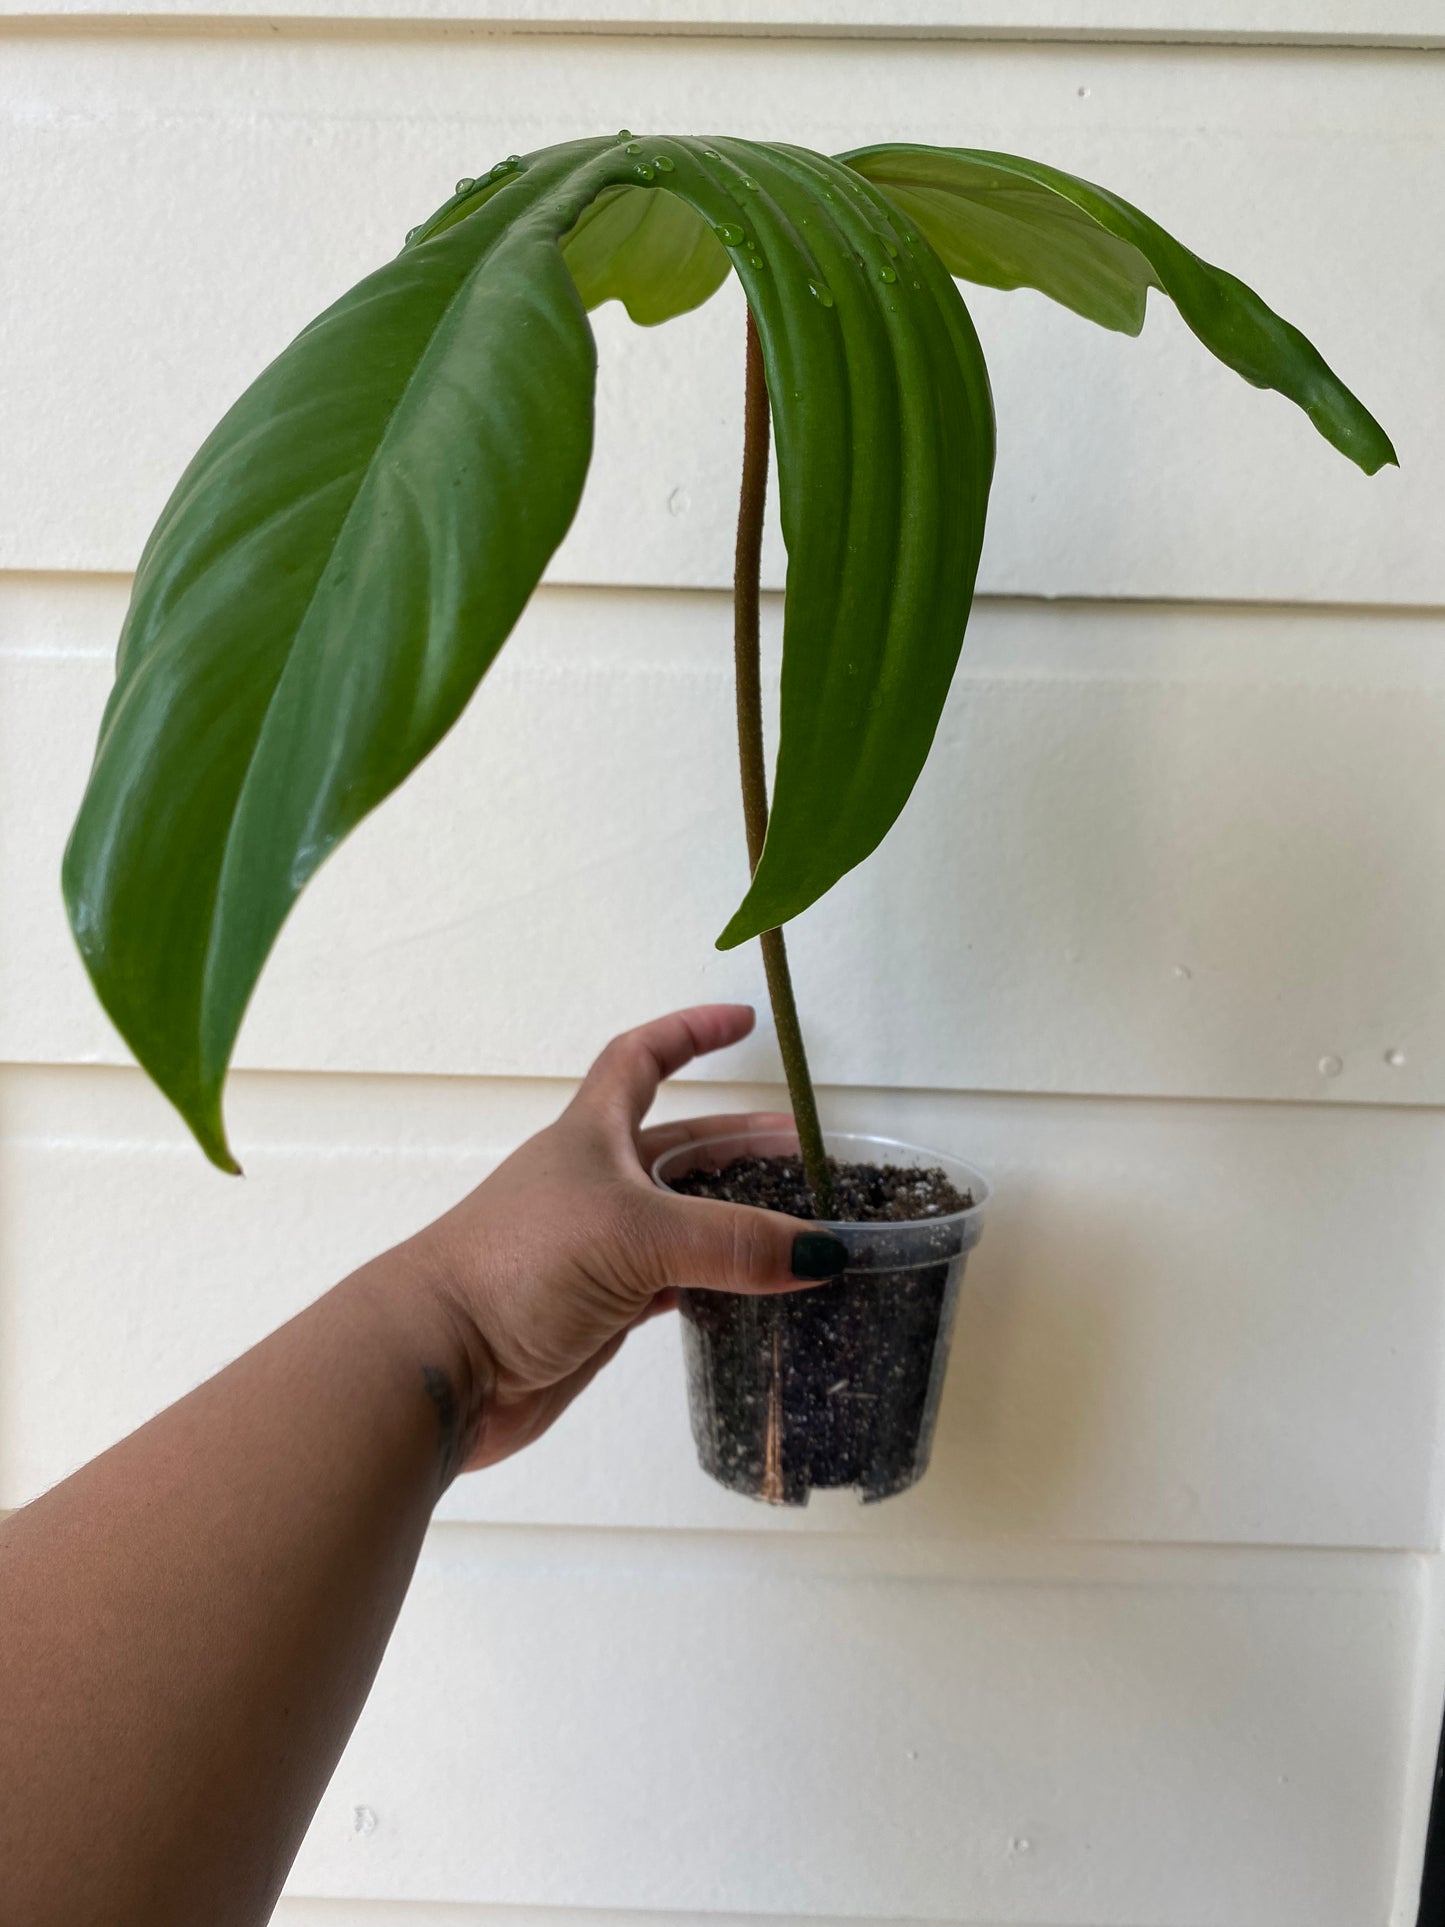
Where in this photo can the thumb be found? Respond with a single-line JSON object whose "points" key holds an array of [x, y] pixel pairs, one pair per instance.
{"points": [[712, 1246]]}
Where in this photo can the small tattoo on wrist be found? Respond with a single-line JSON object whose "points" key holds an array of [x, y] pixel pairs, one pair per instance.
{"points": [[456, 1429]]}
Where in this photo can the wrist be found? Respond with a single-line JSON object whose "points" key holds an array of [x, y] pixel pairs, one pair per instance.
{"points": [[444, 1359]]}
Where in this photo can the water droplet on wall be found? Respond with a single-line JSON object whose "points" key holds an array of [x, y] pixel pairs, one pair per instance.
{"points": [[1395, 1059], [679, 502], [363, 1820], [1331, 1066]]}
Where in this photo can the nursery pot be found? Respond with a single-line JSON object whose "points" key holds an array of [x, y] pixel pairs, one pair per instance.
{"points": [[837, 1385]]}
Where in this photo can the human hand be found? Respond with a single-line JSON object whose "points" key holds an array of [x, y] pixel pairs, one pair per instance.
{"points": [[569, 1245]]}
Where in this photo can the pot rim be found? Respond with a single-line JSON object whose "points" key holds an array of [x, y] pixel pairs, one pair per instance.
{"points": [[978, 1184]]}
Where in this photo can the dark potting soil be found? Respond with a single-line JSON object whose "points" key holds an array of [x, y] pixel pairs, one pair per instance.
{"points": [[837, 1385], [862, 1193]]}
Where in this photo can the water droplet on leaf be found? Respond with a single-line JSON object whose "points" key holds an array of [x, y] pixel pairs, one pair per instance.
{"points": [[411, 235], [750, 184], [823, 292], [888, 274], [891, 245], [644, 172], [663, 164], [730, 235], [499, 169], [624, 133], [465, 184], [633, 147]]}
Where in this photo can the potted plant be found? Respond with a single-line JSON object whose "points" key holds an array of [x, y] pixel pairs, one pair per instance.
{"points": [[350, 548]]}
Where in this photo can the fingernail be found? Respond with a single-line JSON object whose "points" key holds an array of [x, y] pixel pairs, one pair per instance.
{"points": [[818, 1254]]}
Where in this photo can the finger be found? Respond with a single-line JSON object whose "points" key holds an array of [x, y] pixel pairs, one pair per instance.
{"points": [[624, 1080], [659, 1138], [707, 1245]]}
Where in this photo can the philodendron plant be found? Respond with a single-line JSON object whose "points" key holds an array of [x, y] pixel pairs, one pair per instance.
{"points": [[352, 545]]}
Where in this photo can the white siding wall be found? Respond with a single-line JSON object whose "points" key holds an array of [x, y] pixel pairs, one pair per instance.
{"points": [[1160, 943]]}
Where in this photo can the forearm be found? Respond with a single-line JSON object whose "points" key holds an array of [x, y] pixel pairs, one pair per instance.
{"points": [[190, 1624]]}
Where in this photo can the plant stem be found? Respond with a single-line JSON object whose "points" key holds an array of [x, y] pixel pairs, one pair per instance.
{"points": [[746, 584]]}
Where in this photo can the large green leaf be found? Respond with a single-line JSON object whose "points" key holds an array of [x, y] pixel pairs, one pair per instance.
{"points": [[334, 572], [885, 453], [1010, 223], [353, 543]]}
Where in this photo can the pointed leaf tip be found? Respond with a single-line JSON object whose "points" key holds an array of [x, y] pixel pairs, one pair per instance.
{"points": [[1008, 222]]}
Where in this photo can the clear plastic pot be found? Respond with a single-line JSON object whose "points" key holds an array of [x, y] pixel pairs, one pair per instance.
{"points": [[837, 1385]]}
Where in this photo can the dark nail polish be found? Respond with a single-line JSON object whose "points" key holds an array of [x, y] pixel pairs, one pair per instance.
{"points": [[818, 1254]]}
